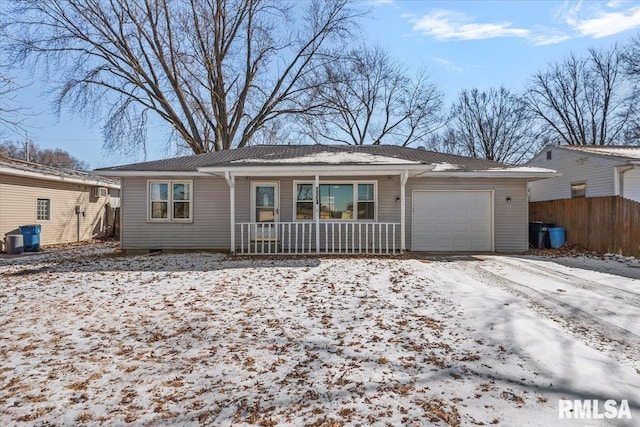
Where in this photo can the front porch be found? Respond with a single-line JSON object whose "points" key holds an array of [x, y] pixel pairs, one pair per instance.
{"points": [[309, 238], [312, 212]]}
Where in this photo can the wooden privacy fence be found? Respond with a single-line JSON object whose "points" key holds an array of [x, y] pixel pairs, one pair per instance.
{"points": [[604, 224]]}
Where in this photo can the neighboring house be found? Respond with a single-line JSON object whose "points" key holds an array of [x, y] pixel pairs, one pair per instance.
{"points": [[69, 205], [587, 171], [324, 199]]}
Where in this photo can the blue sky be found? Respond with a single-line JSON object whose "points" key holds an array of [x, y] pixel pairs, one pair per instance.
{"points": [[463, 44]]}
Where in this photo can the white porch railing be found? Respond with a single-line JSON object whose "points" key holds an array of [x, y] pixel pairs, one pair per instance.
{"points": [[300, 238]]}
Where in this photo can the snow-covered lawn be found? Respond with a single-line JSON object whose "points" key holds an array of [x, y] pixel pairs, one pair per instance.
{"points": [[92, 337]]}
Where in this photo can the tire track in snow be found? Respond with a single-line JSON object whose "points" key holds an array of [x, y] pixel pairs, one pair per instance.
{"points": [[609, 308], [582, 323], [600, 288]]}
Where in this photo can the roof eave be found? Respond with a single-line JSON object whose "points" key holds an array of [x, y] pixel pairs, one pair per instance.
{"points": [[609, 156], [47, 177], [493, 174], [128, 173], [414, 170]]}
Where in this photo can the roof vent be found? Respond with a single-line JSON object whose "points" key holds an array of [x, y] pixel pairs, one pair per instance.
{"points": [[422, 147]]}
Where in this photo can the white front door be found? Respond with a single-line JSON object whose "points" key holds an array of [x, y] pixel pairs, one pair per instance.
{"points": [[265, 202]]}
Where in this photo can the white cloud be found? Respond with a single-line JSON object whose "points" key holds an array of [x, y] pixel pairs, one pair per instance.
{"points": [[604, 24], [381, 2], [616, 3], [585, 19], [545, 36], [448, 65], [451, 25]]}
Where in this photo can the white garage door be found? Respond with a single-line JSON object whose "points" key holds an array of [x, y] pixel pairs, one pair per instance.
{"points": [[452, 221]]}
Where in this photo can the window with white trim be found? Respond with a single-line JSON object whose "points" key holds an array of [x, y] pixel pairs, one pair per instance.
{"points": [[339, 201], [43, 210], [170, 200], [578, 190], [366, 202], [304, 201]]}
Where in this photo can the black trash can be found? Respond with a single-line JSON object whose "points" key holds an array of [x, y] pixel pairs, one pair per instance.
{"points": [[534, 228], [539, 234]]}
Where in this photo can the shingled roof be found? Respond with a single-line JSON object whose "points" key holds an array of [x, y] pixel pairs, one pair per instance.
{"points": [[20, 167], [319, 155]]}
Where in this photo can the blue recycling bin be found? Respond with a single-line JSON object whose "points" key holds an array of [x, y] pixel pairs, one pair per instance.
{"points": [[31, 237], [557, 237]]}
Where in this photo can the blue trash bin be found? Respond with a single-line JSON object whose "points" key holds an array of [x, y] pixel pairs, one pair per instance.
{"points": [[31, 237], [557, 237]]}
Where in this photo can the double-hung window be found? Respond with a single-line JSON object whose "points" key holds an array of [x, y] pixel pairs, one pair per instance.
{"points": [[304, 201], [366, 202], [170, 200], [338, 201]]}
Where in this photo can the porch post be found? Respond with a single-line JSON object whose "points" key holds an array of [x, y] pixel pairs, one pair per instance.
{"points": [[316, 211], [231, 180], [403, 210]]}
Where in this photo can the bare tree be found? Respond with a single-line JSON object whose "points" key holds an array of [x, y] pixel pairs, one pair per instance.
{"points": [[631, 56], [365, 97], [12, 117], [14, 150], [215, 71], [583, 101], [279, 131], [30, 152], [59, 158], [494, 125]]}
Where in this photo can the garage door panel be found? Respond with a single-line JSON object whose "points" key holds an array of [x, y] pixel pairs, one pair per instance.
{"points": [[452, 221]]}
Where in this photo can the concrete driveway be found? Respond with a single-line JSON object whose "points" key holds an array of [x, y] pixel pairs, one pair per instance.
{"points": [[595, 297]]}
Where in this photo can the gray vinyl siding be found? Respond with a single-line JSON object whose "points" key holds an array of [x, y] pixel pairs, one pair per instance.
{"points": [[510, 219], [208, 230], [18, 200], [211, 222], [388, 210], [388, 190], [598, 172]]}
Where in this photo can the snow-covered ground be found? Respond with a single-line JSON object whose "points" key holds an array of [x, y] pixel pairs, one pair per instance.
{"points": [[92, 337]]}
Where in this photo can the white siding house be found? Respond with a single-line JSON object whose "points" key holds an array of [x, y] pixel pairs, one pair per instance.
{"points": [[587, 171]]}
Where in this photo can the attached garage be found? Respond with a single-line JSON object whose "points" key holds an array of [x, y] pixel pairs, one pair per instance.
{"points": [[391, 199], [452, 221]]}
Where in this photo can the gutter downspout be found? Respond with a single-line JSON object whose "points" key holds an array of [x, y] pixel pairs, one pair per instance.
{"points": [[526, 225], [403, 210], [621, 172], [231, 181]]}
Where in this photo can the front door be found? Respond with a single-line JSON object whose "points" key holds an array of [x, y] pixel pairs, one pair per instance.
{"points": [[265, 202]]}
